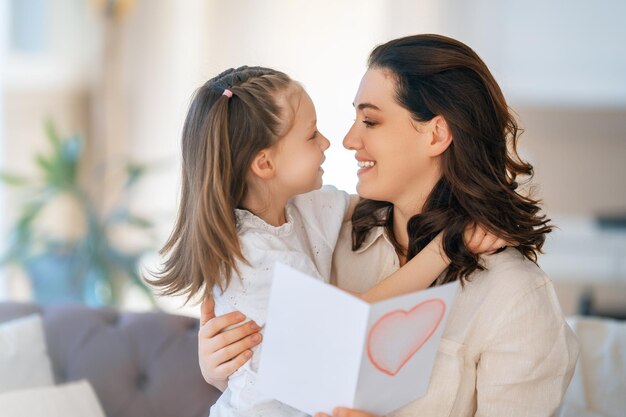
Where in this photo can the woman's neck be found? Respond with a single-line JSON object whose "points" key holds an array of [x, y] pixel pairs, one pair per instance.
{"points": [[402, 213], [409, 206]]}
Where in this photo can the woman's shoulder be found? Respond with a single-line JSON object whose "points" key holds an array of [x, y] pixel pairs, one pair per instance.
{"points": [[512, 292], [509, 270], [508, 278]]}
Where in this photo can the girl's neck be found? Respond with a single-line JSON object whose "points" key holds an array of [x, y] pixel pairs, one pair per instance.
{"points": [[275, 217], [266, 205]]}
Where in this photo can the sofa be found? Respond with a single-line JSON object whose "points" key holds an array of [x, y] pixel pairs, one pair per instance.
{"points": [[139, 364], [146, 364]]}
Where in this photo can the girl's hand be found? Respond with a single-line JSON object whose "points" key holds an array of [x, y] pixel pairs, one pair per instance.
{"points": [[479, 240], [221, 352], [345, 412]]}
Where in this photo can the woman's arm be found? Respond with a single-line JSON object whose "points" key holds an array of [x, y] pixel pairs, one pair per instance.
{"points": [[221, 352]]}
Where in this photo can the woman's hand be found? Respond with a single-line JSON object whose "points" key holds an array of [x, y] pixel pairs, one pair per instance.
{"points": [[345, 412], [221, 352], [479, 241]]}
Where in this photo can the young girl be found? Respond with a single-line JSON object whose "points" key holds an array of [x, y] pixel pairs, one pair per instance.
{"points": [[251, 197]]}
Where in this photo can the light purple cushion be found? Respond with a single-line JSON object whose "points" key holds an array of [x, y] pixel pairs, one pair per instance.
{"points": [[139, 364]]}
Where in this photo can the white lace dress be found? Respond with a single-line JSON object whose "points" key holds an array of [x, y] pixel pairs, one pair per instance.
{"points": [[305, 242]]}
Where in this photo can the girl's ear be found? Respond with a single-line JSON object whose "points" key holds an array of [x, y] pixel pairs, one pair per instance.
{"points": [[263, 165], [441, 136]]}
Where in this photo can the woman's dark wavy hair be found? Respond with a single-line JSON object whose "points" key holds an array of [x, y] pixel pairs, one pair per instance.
{"points": [[436, 75]]}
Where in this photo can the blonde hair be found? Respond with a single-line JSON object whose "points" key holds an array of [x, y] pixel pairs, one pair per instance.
{"points": [[221, 135]]}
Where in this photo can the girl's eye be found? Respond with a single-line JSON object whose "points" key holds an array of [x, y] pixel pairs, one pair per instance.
{"points": [[314, 135]]}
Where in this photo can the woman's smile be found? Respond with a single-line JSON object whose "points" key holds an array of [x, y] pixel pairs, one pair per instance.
{"points": [[365, 166]]}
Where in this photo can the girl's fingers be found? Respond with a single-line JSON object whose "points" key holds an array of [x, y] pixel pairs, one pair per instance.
{"points": [[237, 348], [487, 243], [228, 368], [207, 310], [217, 324], [231, 336], [477, 238], [498, 244], [468, 233]]}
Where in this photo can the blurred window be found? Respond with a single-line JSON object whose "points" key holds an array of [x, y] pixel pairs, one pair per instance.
{"points": [[27, 25]]}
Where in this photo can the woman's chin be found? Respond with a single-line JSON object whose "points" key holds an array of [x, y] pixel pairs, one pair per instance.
{"points": [[367, 191]]}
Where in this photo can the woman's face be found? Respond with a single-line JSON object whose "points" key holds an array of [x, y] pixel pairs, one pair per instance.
{"points": [[391, 148]]}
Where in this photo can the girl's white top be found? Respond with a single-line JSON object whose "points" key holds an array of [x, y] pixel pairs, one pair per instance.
{"points": [[305, 242]]}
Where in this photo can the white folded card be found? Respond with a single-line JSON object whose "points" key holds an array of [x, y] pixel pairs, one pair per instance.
{"points": [[324, 348]]}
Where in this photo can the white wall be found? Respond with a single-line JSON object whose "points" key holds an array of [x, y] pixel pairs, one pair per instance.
{"points": [[553, 53]]}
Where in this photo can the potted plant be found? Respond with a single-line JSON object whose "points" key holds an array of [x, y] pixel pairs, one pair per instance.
{"points": [[84, 265]]}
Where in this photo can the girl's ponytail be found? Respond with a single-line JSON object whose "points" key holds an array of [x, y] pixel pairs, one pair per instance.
{"points": [[215, 244]]}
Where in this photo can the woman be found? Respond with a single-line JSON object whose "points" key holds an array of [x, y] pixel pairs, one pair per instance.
{"points": [[440, 146]]}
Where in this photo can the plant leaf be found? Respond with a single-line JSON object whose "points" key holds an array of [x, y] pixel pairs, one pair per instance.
{"points": [[134, 171], [13, 180], [51, 133]]}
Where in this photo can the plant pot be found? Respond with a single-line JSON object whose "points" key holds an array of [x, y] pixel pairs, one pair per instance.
{"points": [[58, 278]]}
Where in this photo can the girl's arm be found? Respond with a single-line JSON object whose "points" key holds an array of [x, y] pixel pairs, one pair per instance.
{"points": [[421, 271], [417, 274], [354, 199]]}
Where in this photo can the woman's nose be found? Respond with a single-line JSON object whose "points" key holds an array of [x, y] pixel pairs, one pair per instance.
{"points": [[351, 140]]}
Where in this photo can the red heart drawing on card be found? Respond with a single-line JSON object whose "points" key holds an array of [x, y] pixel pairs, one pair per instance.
{"points": [[399, 334]]}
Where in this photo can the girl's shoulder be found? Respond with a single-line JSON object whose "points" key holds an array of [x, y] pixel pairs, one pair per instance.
{"points": [[321, 212], [327, 198]]}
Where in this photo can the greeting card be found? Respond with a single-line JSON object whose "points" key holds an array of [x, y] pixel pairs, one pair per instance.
{"points": [[324, 348]]}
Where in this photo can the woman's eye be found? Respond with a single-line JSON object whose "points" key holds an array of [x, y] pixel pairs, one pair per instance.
{"points": [[367, 123]]}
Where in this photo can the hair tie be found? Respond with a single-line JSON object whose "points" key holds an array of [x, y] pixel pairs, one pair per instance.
{"points": [[227, 93]]}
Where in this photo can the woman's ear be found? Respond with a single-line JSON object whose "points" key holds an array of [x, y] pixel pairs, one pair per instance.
{"points": [[263, 165], [441, 136]]}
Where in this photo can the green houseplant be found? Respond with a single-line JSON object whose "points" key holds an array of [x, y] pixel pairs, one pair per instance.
{"points": [[87, 266]]}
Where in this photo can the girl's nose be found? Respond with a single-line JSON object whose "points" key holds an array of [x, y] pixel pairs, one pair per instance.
{"points": [[325, 143]]}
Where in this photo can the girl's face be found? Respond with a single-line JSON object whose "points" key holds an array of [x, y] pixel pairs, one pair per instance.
{"points": [[300, 153], [391, 148]]}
